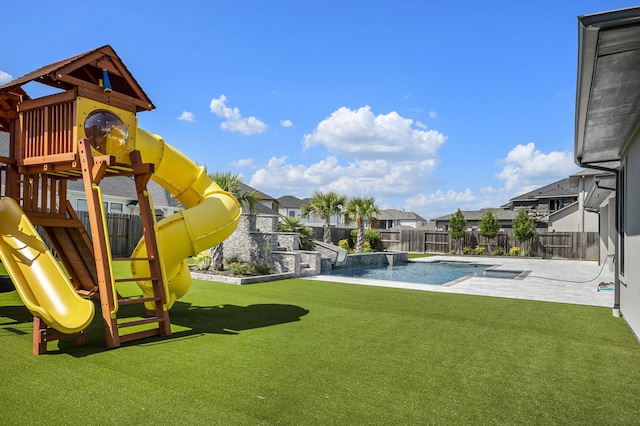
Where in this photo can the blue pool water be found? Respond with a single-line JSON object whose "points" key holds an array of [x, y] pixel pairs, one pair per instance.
{"points": [[424, 272]]}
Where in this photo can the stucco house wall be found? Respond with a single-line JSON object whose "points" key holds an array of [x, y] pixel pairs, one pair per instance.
{"points": [[629, 277], [573, 219]]}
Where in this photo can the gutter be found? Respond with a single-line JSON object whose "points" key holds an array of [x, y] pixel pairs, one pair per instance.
{"points": [[616, 285]]}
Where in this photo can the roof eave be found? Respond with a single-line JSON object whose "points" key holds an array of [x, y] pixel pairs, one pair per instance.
{"points": [[589, 27]]}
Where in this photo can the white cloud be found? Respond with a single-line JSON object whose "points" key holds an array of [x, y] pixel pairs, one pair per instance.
{"points": [[5, 77], [245, 162], [286, 123], [383, 156], [362, 135], [234, 121], [433, 114], [187, 116], [523, 169], [526, 168]]}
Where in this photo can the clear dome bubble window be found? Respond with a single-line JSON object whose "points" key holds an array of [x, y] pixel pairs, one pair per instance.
{"points": [[106, 132]]}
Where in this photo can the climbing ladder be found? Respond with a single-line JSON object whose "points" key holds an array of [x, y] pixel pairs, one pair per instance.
{"points": [[93, 170]]}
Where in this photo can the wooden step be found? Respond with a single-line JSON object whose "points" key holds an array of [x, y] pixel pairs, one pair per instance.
{"points": [[135, 279], [141, 321], [130, 259], [134, 300], [140, 335]]}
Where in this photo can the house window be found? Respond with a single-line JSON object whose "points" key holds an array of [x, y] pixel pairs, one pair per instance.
{"points": [[555, 204], [115, 208], [82, 205], [292, 213]]}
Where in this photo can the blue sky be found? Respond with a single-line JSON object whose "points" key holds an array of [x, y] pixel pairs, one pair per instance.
{"points": [[427, 106]]}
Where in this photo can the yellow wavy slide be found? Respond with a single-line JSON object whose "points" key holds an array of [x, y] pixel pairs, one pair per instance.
{"points": [[211, 215], [41, 283]]}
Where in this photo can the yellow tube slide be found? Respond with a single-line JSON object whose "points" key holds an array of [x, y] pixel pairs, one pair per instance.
{"points": [[210, 217], [40, 281]]}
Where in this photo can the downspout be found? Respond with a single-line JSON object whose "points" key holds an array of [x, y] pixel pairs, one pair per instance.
{"points": [[616, 292]]}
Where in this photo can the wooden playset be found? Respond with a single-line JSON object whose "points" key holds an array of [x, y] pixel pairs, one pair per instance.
{"points": [[88, 130]]}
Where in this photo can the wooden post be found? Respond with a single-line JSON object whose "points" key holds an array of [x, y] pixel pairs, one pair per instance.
{"points": [[92, 173]]}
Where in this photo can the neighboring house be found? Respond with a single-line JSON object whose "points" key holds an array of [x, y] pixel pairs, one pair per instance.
{"points": [[267, 204], [607, 140], [556, 207], [119, 196], [559, 206], [473, 217], [290, 206], [390, 218], [546, 199]]}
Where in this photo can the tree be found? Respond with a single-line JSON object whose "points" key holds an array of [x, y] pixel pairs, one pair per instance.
{"points": [[524, 227], [359, 210], [293, 224], [489, 225], [231, 183], [325, 205], [457, 227]]}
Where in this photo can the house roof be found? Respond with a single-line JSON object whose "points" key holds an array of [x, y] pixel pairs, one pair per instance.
{"points": [[561, 188], [476, 215], [395, 214], [608, 86], [291, 202], [246, 188], [601, 189], [85, 72], [124, 187]]}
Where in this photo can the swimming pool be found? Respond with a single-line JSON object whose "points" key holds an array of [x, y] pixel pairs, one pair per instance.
{"points": [[425, 272]]}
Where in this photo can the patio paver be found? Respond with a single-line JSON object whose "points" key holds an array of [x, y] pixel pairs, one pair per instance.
{"points": [[550, 280]]}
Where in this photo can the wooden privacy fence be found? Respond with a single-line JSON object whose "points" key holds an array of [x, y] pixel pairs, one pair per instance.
{"points": [[549, 245], [124, 231]]}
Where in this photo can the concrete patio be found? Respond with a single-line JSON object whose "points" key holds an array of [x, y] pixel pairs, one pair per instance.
{"points": [[564, 281]]}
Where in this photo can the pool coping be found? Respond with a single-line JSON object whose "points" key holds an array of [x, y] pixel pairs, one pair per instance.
{"points": [[551, 280]]}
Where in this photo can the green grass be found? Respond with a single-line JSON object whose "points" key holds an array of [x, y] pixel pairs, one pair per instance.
{"points": [[416, 255], [305, 352]]}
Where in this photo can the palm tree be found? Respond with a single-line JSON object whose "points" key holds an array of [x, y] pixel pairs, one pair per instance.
{"points": [[325, 205], [361, 209], [231, 183], [293, 224]]}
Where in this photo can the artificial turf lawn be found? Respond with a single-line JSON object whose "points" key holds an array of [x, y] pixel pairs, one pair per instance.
{"points": [[308, 352]]}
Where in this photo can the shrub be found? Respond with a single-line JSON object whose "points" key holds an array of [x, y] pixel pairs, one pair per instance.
{"points": [[241, 268], [263, 268], [373, 238], [233, 258], [514, 251], [453, 252], [466, 250], [367, 247], [499, 251], [344, 244], [249, 269], [202, 261], [479, 250], [526, 254]]}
